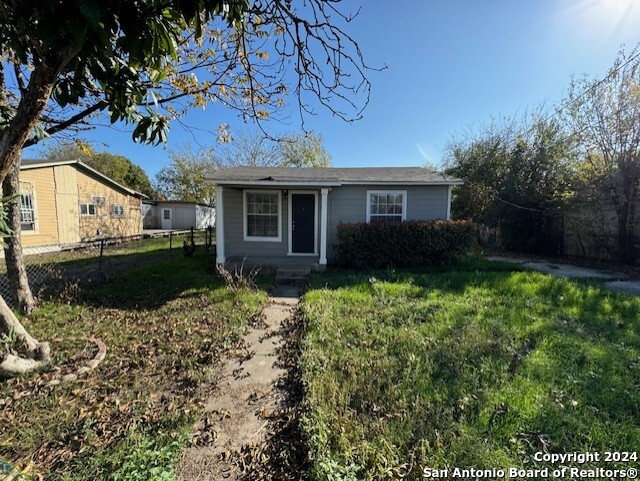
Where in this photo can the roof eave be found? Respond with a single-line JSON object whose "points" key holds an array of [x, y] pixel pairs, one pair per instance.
{"points": [[276, 183], [78, 162], [403, 182]]}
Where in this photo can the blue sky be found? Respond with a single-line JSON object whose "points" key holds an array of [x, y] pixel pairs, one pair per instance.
{"points": [[452, 64]]}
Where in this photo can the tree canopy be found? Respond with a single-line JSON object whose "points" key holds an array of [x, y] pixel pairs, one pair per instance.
{"points": [[253, 148], [147, 62], [517, 175], [184, 178], [118, 167]]}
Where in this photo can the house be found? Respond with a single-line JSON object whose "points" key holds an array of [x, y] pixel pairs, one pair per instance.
{"points": [[174, 214], [282, 215], [65, 202]]}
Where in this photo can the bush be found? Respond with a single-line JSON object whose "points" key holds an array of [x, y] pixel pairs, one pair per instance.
{"points": [[412, 243]]}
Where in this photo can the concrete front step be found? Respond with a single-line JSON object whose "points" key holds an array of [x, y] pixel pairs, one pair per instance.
{"points": [[292, 274]]}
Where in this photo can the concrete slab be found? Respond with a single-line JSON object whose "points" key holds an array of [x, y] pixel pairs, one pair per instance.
{"points": [[630, 287], [563, 270]]}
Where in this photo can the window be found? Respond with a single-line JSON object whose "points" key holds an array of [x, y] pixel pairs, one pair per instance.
{"points": [[87, 209], [117, 210], [27, 212], [385, 206], [262, 215], [166, 214]]}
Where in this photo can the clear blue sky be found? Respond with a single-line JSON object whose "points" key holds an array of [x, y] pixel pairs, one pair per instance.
{"points": [[452, 64]]}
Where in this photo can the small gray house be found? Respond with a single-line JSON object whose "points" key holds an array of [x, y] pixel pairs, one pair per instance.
{"points": [[289, 215]]}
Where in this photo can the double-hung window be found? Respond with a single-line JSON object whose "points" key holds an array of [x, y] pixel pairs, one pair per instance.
{"points": [[27, 212], [117, 210], [386, 206], [87, 210], [262, 215]]}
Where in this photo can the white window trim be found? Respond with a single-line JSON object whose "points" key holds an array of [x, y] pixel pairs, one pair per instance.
{"points": [[113, 214], [387, 192], [166, 209], [244, 216], [315, 223], [95, 209], [31, 190]]}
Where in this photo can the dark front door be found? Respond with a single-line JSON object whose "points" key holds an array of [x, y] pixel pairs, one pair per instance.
{"points": [[302, 223]]}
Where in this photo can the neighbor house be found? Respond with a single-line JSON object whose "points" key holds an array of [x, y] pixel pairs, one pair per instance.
{"points": [[282, 214], [175, 214], [66, 202]]}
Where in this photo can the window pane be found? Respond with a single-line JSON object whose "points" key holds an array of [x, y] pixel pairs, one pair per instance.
{"points": [[262, 214]]}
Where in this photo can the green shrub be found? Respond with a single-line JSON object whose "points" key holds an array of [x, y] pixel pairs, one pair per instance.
{"points": [[412, 243]]}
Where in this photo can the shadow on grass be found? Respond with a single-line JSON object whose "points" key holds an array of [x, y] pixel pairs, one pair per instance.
{"points": [[152, 286]]}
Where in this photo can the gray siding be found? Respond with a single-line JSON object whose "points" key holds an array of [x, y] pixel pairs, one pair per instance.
{"points": [[348, 204], [235, 245]]}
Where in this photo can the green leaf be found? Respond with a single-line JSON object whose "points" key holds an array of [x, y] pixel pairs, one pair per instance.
{"points": [[91, 11]]}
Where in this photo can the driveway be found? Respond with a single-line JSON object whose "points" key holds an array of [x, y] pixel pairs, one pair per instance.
{"points": [[616, 281]]}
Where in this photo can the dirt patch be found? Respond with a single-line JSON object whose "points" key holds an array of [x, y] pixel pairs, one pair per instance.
{"points": [[250, 426]]}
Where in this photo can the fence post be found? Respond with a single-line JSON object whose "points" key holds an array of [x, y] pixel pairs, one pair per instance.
{"points": [[209, 236], [192, 243], [101, 255], [170, 244]]}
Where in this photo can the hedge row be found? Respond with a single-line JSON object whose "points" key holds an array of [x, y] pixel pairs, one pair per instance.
{"points": [[404, 244]]}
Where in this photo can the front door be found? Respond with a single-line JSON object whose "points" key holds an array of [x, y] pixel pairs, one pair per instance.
{"points": [[166, 219], [303, 233]]}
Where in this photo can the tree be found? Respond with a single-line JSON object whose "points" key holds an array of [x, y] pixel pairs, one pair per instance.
{"points": [[184, 178], [517, 176], [253, 148], [118, 167], [146, 62], [605, 117], [304, 150]]}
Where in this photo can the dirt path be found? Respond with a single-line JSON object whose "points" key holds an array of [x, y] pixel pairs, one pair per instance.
{"points": [[249, 399]]}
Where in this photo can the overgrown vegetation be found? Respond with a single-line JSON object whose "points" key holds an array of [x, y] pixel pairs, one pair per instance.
{"points": [[165, 327], [473, 366], [525, 176], [412, 243]]}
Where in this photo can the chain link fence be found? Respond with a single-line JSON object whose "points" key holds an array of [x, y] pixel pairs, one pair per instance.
{"points": [[51, 269]]}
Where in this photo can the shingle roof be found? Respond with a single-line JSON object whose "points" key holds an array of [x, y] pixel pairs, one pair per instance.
{"points": [[332, 175], [40, 163]]}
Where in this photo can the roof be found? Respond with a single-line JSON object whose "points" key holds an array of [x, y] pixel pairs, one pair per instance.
{"points": [[28, 164], [331, 176], [176, 202]]}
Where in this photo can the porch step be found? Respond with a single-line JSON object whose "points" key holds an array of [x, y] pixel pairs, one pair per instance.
{"points": [[292, 274]]}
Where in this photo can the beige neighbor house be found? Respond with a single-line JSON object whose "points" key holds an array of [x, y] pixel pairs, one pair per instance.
{"points": [[66, 202]]}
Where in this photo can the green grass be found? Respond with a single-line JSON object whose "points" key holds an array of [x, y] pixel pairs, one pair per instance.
{"points": [[86, 256], [476, 365], [165, 327]]}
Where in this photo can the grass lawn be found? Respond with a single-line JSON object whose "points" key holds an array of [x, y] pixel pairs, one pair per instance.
{"points": [[165, 327], [477, 365]]}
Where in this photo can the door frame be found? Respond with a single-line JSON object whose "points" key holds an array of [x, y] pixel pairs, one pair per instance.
{"points": [[315, 222], [170, 219]]}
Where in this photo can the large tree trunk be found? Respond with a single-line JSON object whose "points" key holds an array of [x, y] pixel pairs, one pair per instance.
{"points": [[33, 354], [12, 139], [18, 281]]}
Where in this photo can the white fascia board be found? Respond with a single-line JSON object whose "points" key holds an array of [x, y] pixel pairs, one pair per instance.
{"points": [[275, 184], [396, 182]]}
